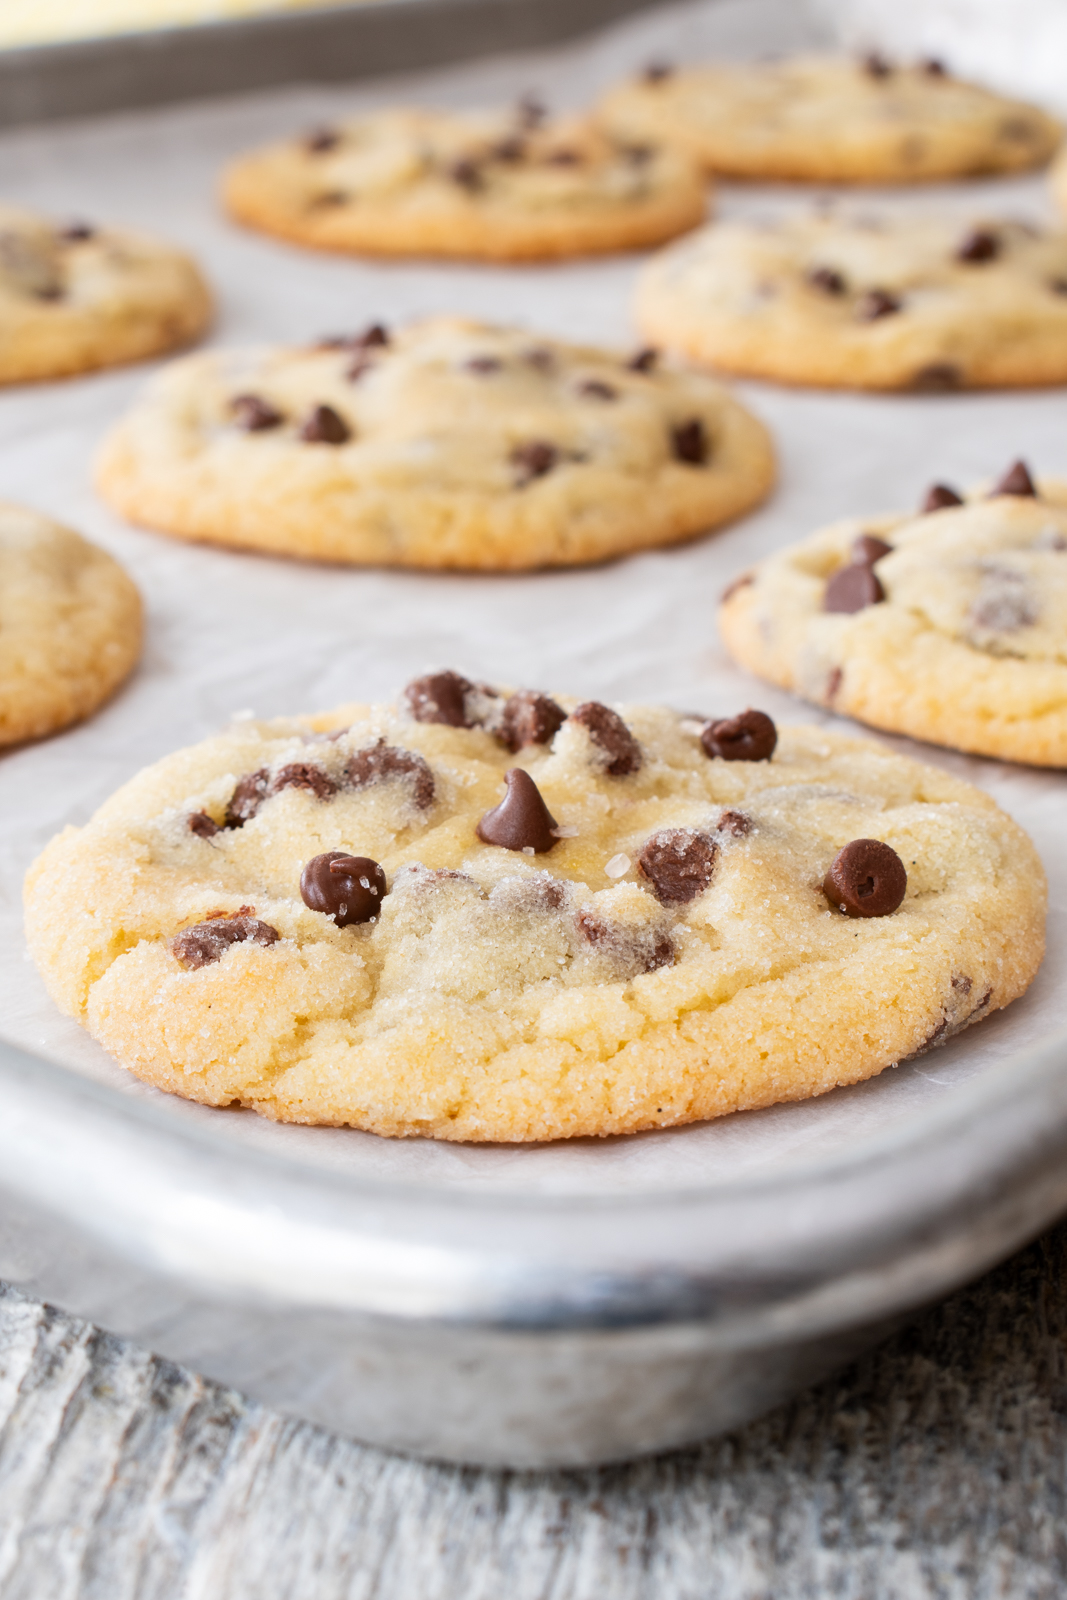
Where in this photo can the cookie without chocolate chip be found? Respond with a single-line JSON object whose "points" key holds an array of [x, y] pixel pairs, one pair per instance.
{"points": [[501, 186], [950, 626], [831, 119], [70, 625], [447, 444], [79, 297], [345, 919], [865, 302]]}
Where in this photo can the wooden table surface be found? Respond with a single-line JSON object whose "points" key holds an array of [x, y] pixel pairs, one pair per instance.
{"points": [[935, 1467]]}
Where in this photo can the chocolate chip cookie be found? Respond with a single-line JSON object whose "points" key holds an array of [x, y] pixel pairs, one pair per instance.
{"points": [[494, 915], [75, 297], [949, 625], [445, 444], [832, 119], [500, 186], [70, 625]]}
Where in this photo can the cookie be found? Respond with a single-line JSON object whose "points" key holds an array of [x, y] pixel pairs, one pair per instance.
{"points": [[501, 186], [1058, 179], [510, 916], [950, 626], [79, 297], [448, 444], [865, 302], [832, 119], [70, 625]]}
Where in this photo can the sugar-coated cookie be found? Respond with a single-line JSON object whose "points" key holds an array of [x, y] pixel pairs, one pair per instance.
{"points": [[865, 302], [447, 444], [832, 119], [487, 915], [77, 297], [70, 625], [949, 626], [500, 186]]}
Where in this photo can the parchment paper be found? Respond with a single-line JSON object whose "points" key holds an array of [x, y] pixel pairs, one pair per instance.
{"points": [[230, 632]]}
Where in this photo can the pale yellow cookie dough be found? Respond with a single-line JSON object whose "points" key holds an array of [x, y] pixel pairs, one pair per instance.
{"points": [[865, 302], [503, 995], [831, 119], [968, 648], [441, 183], [79, 297], [70, 625], [465, 446]]}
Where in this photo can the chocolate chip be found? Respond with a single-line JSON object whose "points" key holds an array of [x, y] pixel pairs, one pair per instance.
{"points": [[304, 775], [320, 140], [249, 795], [933, 68], [440, 697], [323, 425], [876, 303], [253, 414], [1003, 609], [611, 736], [937, 376], [868, 549], [981, 244], [521, 821], [76, 233], [508, 151], [348, 888], [482, 365], [743, 582], [540, 357], [50, 292], [381, 763], [1016, 480], [205, 942], [563, 158], [592, 929], [834, 679], [532, 460], [689, 441], [679, 863], [467, 173], [750, 737], [866, 879], [939, 497], [735, 823], [374, 337], [530, 718], [202, 825], [827, 279], [657, 72], [530, 111], [852, 588], [644, 360], [876, 66], [637, 155], [596, 390], [1058, 285]]}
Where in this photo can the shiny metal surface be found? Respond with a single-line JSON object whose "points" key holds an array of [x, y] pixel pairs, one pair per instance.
{"points": [[512, 1330]]}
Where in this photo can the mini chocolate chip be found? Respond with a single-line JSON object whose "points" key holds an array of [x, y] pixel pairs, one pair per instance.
{"points": [[938, 376], [1016, 480], [939, 497], [743, 582], [76, 233], [323, 425], [933, 67], [657, 72], [866, 879], [611, 736], [483, 365], [591, 928], [689, 441], [521, 821], [508, 150], [644, 360], [540, 357], [679, 864], [532, 460], [249, 795], [868, 549], [852, 588], [467, 173], [202, 825], [750, 737], [530, 718], [1003, 610], [981, 244], [735, 823], [827, 279], [876, 66], [1058, 285], [253, 414], [320, 140], [596, 390], [563, 158], [962, 983], [205, 942], [304, 775], [348, 888], [380, 762], [876, 303], [530, 111], [440, 697]]}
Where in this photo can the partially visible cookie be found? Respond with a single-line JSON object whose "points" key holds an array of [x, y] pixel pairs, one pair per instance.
{"points": [[446, 444], [865, 302], [950, 626], [497, 916], [1058, 179], [79, 297], [831, 119], [501, 186], [70, 625]]}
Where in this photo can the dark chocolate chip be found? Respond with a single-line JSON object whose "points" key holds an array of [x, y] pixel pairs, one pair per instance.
{"points": [[253, 414], [374, 337], [304, 775], [933, 67], [595, 389], [875, 303], [563, 158], [521, 821], [381, 762], [827, 279], [1016, 480], [530, 111], [320, 140], [689, 441], [939, 497], [657, 72], [348, 888], [735, 823], [483, 365], [679, 863], [592, 929], [51, 292], [981, 244], [876, 66], [1003, 610], [467, 173], [323, 425], [249, 795], [440, 697], [750, 737], [866, 879], [644, 360], [530, 718], [1058, 285], [209, 941], [76, 233], [937, 376], [733, 588], [611, 736], [202, 825], [852, 588], [868, 549], [532, 460]]}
